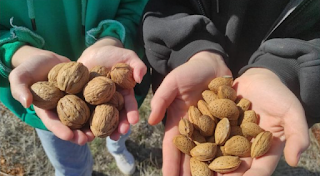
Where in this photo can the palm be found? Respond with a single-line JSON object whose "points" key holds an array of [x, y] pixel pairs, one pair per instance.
{"points": [[281, 113], [180, 89]]}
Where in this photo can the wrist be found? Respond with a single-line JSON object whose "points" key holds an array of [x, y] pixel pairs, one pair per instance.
{"points": [[108, 41]]}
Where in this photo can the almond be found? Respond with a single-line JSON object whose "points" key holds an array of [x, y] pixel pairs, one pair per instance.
{"points": [[204, 152], [194, 115], [206, 125], [185, 127], [222, 108], [261, 144], [203, 108], [183, 143], [250, 129], [227, 92], [225, 164], [197, 137], [222, 131], [220, 81], [238, 146], [209, 96], [199, 168]]}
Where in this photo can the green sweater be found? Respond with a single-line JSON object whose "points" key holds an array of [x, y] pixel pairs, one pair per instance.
{"points": [[65, 27]]}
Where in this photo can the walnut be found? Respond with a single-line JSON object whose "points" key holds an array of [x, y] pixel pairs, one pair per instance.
{"points": [[99, 71], [73, 111], [117, 100], [99, 90], [53, 73], [104, 120], [72, 77], [122, 75], [45, 95]]}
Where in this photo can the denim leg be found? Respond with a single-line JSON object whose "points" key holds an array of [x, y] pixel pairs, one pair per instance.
{"points": [[67, 158], [118, 146]]}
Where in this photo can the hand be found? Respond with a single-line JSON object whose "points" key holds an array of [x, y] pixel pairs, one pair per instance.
{"points": [[32, 65], [107, 52], [280, 113], [179, 90]]}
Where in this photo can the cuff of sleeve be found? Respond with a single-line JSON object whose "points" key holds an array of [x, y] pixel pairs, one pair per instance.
{"points": [[286, 69], [17, 37], [105, 28]]}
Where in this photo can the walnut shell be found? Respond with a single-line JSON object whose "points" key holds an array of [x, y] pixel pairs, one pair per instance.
{"points": [[104, 120], [99, 90], [53, 73], [72, 77], [45, 95], [73, 111], [99, 71], [122, 75], [117, 100]]}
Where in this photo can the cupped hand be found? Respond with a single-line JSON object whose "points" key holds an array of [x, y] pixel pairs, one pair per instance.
{"points": [[281, 113], [107, 52], [179, 90], [32, 65]]}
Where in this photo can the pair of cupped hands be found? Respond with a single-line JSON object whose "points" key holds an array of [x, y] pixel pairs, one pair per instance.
{"points": [[279, 109]]}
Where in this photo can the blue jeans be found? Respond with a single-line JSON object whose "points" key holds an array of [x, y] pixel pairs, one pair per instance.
{"points": [[70, 159]]}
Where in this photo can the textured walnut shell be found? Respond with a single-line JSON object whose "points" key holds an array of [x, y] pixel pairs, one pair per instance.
{"points": [[45, 95], [72, 77], [185, 127], [53, 73], [99, 90], [204, 152], [104, 120], [73, 111], [220, 81], [225, 164], [99, 71], [122, 75], [199, 168], [117, 100]]}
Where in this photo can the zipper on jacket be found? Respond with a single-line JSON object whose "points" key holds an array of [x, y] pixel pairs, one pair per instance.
{"points": [[201, 8], [293, 4]]}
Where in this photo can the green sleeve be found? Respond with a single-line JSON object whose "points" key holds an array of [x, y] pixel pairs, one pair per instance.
{"points": [[11, 40]]}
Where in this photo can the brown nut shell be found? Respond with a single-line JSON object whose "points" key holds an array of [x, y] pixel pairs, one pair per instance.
{"points": [[237, 146], [206, 125], [73, 111], [194, 115], [122, 75], [197, 137], [183, 143], [204, 151], [225, 164], [72, 77], [53, 73], [250, 129], [185, 127], [222, 131], [220, 81], [99, 70], [104, 120], [224, 108], [209, 96], [261, 144], [117, 100], [99, 90], [199, 168], [45, 95], [227, 92]]}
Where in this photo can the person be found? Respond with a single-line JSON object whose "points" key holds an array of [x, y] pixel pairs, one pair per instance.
{"points": [[37, 35], [270, 48]]}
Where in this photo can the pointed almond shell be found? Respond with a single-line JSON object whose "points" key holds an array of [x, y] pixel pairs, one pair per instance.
{"points": [[261, 144], [222, 131], [225, 164], [183, 143], [199, 168], [204, 152], [238, 146]]}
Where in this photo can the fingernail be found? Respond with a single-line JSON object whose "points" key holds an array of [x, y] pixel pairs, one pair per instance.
{"points": [[23, 101]]}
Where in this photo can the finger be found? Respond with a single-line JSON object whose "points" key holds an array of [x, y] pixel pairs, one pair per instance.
{"points": [[171, 155], [79, 137], [139, 68], [185, 165], [53, 124], [161, 101], [266, 164], [88, 133], [297, 136], [131, 106], [124, 125]]}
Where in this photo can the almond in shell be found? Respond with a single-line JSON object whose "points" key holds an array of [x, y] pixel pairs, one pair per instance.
{"points": [[220, 81], [199, 168], [225, 164], [209, 96], [183, 143], [238, 146], [185, 127], [261, 144], [222, 131], [227, 92], [250, 129], [204, 152], [222, 108]]}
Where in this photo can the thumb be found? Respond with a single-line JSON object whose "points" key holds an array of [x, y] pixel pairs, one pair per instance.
{"points": [[161, 101], [297, 136], [19, 84]]}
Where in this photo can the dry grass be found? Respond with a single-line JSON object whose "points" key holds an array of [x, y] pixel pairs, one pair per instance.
{"points": [[21, 152]]}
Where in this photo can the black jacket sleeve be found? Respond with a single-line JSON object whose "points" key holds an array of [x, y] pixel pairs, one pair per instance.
{"points": [[173, 32], [297, 63]]}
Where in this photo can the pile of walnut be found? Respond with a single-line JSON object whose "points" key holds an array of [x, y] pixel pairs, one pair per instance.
{"points": [[220, 130], [81, 96]]}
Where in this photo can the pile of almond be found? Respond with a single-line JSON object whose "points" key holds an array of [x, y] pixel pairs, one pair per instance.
{"points": [[220, 130], [85, 97]]}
